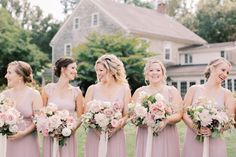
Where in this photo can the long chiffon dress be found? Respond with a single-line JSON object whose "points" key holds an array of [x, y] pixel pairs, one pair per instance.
{"points": [[116, 144], [67, 102]]}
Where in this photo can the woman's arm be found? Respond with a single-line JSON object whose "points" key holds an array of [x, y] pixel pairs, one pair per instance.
{"points": [[177, 104], [36, 106], [187, 102]]}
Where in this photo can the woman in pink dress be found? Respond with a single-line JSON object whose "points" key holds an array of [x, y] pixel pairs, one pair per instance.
{"points": [[27, 101], [112, 86], [216, 72], [166, 144], [64, 96]]}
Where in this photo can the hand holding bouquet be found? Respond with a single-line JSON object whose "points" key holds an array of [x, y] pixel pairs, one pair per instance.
{"points": [[205, 115], [55, 123], [151, 111]]}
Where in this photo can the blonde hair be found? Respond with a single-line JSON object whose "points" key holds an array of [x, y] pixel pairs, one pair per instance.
{"points": [[214, 63], [114, 66], [148, 65], [23, 69]]}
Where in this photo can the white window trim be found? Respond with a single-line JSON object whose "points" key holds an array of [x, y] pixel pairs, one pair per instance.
{"points": [[167, 45], [92, 19], [65, 45], [75, 23], [188, 59]]}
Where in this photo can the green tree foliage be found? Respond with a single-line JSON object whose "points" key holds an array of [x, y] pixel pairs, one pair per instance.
{"points": [[130, 50], [42, 29], [140, 3], [15, 45], [216, 20]]}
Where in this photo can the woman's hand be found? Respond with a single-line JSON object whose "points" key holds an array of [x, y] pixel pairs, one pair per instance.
{"points": [[98, 133], [16, 136], [205, 131]]}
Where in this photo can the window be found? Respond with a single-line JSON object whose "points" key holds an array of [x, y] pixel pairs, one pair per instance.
{"points": [[223, 84], [183, 88], [188, 58], [95, 19], [174, 84], [191, 83], [222, 54], [229, 83], [185, 58], [234, 84], [76, 23], [167, 51], [67, 50], [202, 81]]}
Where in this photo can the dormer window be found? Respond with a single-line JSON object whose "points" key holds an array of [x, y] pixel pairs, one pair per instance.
{"points": [[67, 49], [222, 54], [76, 23], [188, 59], [167, 51], [95, 19]]}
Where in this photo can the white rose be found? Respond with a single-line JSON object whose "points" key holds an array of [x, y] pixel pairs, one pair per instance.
{"points": [[66, 132], [13, 128], [1, 123]]}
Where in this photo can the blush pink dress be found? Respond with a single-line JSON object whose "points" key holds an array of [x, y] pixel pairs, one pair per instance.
{"points": [[68, 103], [166, 144], [28, 145], [193, 148], [116, 144]]}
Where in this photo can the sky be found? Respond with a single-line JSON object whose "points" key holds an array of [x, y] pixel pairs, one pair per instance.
{"points": [[50, 6], [54, 7]]}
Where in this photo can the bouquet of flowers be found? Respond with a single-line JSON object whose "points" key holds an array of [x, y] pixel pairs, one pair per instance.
{"points": [[55, 123], [101, 115], [205, 114], [9, 120], [151, 110], [9, 117]]}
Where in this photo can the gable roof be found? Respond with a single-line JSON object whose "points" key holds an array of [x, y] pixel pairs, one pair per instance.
{"points": [[224, 46], [142, 20]]}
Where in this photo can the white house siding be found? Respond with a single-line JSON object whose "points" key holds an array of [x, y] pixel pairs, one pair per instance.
{"points": [[199, 58]]}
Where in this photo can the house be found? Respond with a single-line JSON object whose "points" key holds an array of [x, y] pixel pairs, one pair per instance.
{"points": [[193, 61], [169, 39]]}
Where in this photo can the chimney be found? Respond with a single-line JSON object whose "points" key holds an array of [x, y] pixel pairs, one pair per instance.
{"points": [[161, 6]]}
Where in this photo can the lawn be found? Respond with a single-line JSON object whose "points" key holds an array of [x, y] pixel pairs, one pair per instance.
{"points": [[130, 140]]}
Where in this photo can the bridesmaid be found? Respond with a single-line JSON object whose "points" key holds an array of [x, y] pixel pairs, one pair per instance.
{"points": [[27, 101], [216, 72], [64, 96], [166, 144], [112, 86]]}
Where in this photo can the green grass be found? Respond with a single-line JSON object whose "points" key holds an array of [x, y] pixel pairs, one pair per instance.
{"points": [[130, 132]]}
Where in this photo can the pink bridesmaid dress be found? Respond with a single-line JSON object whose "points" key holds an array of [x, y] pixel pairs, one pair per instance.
{"points": [[116, 144], [68, 103], [166, 144], [193, 148], [28, 145]]}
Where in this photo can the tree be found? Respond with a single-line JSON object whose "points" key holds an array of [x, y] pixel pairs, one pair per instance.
{"points": [[139, 3], [15, 45], [131, 50], [69, 5], [216, 20]]}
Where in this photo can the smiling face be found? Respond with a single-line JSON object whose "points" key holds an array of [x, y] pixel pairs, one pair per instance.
{"points": [[220, 72], [70, 71], [154, 73], [12, 77], [101, 72]]}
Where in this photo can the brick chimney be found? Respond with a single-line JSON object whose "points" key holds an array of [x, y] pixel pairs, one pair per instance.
{"points": [[161, 6]]}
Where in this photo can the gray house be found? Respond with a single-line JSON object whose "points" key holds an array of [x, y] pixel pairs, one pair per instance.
{"points": [[184, 53]]}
